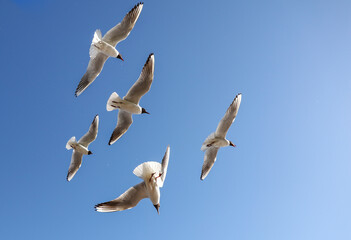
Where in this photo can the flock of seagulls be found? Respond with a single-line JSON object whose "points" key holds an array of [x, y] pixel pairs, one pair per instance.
{"points": [[153, 174]]}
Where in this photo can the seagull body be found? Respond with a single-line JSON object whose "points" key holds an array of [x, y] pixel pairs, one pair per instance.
{"points": [[153, 174], [115, 102], [80, 148], [98, 45], [104, 47], [218, 139], [130, 103]]}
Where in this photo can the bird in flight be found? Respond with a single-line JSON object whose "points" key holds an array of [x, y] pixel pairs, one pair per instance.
{"points": [[102, 48], [130, 103], [153, 174], [80, 148], [217, 139]]}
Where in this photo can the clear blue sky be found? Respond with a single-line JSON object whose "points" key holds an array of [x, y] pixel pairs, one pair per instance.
{"points": [[288, 178]]}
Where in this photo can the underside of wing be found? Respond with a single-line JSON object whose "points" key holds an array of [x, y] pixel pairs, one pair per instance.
{"points": [[121, 30], [123, 123], [94, 68], [209, 160], [76, 162], [143, 84], [165, 161], [127, 200], [90, 136], [229, 117]]}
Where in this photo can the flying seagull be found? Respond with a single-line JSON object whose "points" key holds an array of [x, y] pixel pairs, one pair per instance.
{"points": [[130, 103], [153, 174], [217, 139], [103, 47], [80, 148]]}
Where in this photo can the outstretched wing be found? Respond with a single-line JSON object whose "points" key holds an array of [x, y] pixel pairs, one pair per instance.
{"points": [[165, 161], [209, 160], [229, 117], [90, 136], [76, 162], [94, 69], [123, 123], [143, 84], [127, 200], [121, 30]]}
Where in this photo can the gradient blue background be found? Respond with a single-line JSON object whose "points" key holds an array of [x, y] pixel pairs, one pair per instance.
{"points": [[288, 178]]}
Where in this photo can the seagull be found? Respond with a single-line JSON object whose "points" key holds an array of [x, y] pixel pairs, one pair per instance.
{"points": [[103, 47], [80, 148], [130, 103], [153, 174], [217, 139]]}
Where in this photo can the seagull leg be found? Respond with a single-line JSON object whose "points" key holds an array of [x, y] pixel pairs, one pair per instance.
{"points": [[151, 177], [158, 176]]}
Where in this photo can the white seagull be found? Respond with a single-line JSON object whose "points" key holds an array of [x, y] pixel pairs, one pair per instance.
{"points": [[80, 148], [103, 47], [153, 174], [130, 103], [217, 139]]}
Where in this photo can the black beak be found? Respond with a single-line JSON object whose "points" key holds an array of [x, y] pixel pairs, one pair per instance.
{"points": [[120, 57], [144, 111], [231, 144], [157, 206]]}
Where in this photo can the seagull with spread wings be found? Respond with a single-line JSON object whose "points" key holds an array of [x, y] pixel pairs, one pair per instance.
{"points": [[153, 174], [130, 103], [217, 139], [80, 148], [102, 48]]}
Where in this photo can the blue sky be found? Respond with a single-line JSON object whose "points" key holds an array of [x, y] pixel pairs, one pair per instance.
{"points": [[288, 177]]}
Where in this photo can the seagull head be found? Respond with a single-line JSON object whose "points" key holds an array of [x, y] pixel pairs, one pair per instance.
{"points": [[157, 206], [144, 111], [232, 144], [120, 56]]}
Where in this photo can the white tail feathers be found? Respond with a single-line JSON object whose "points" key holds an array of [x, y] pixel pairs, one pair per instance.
{"points": [[97, 36], [111, 102], [207, 141], [93, 51], [70, 141], [146, 169]]}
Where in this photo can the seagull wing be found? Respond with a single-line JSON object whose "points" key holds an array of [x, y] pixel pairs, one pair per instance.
{"points": [[121, 30], [210, 158], [90, 136], [127, 200], [165, 161], [94, 68], [143, 84], [229, 117], [76, 162], [123, 123]]}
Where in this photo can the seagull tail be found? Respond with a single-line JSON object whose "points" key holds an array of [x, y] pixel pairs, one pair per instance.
{"points": [[112, 102], [146, 169], [207, 141], [93, 51], [97, 36], [70, 141]]}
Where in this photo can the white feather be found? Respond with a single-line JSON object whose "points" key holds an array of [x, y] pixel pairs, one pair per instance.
{"points": [[97, 36], [146, 169], [114, 97], [70, 141], [207, 141]]}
